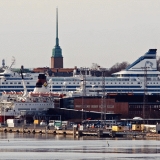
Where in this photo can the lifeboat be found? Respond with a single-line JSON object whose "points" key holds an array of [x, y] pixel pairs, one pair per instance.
{"points": [[55, 94], [8, 93], [19, 93], [45, 94], [35, 94]]}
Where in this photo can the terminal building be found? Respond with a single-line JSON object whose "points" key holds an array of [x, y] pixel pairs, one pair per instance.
{"points": [[127, 106]]}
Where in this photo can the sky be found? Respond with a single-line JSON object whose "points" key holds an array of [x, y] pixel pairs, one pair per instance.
{"points": [[90, 31]]}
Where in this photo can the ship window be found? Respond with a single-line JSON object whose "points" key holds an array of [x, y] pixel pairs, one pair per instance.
{"points": [[27, 82], [15, 82], [6, 82], [19, 82], [115, 83], [11, 83], [2, 82]]}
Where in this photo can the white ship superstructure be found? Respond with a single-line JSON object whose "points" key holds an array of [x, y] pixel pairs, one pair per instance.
{"points": [[12, 81], [130, 80], [13, 103]]}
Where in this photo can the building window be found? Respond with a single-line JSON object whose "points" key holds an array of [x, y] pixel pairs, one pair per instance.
{"points": [[94, 106], [110, 106], [78, 106]]}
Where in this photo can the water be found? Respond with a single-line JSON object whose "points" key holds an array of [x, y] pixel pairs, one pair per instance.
{"points": [[14, 146]]}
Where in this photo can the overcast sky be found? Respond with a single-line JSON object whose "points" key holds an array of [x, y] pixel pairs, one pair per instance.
{"points": [[90, 31]]}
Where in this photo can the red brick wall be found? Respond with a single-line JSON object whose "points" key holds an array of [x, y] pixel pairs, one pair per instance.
{"points": [[38, 70], [94, 104], [56, 62]]}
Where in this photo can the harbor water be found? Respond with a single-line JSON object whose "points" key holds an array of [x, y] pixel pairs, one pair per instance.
{"points": [[14, 146]]}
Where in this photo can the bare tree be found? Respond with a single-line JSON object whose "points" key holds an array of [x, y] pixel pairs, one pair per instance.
{"points": [[117, 67]]}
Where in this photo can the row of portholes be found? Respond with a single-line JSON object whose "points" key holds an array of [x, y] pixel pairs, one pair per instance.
{"points": [[153, 83], [98, 83], [13, 83]]}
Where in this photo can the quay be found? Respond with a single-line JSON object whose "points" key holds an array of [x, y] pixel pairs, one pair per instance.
{"points": [[74, 132], [39, 130]]}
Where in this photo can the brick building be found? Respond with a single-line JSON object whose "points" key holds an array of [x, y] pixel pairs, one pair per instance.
{"points": [[129, 106]]}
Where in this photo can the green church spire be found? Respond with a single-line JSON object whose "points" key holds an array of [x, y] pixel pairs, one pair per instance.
{"points": [[57, 51]]}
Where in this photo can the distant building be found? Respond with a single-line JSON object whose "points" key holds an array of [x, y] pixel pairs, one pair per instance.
{"points": [[57, 58]]}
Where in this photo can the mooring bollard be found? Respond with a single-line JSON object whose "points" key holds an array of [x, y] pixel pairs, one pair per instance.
{"points": [[74, 131], [100, 133]]}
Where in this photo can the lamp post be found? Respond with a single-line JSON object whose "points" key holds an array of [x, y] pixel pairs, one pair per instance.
{"points": [[145, 91], [83, 90], [103, 99], [4, 115]]}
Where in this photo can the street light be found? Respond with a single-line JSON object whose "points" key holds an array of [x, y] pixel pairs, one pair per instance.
{"points": [[145, 90], [83, 89]]}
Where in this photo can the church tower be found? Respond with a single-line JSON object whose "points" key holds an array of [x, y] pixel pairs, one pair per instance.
{"points": [[57, 58]]}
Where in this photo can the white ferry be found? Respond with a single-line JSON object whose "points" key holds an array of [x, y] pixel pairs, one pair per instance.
{"points": [[142, 75], [12, 104]]}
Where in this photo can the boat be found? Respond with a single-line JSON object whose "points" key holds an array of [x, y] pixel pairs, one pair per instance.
{"points": [[14, 104], [11, 80], [142, 76]]}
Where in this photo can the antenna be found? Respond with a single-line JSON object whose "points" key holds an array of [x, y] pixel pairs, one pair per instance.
{"points": [[103, 100]]}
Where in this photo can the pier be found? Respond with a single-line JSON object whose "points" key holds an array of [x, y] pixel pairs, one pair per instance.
{"points": [[38, 130], [74, 132]]}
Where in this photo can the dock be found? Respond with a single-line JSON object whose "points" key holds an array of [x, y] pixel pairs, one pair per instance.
{"points": [[39, 130], [86, 132]]}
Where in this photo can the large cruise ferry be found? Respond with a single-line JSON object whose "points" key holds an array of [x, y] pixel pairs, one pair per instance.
{"points": [[140, 77]]}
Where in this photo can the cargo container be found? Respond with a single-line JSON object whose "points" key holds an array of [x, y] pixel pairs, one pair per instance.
{"points": [[136, 127], [37, 121], [117, 128]]}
